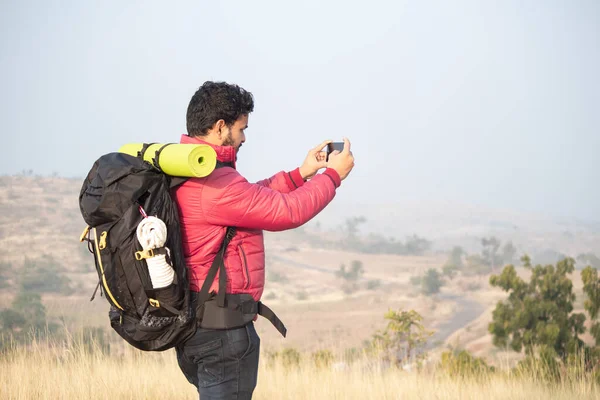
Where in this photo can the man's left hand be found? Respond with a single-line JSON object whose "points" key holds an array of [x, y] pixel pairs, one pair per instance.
{"points": [[315, 160]]}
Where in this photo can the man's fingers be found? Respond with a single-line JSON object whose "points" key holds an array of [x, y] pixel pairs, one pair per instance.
{"points": [[346, 145], [320, 147]]}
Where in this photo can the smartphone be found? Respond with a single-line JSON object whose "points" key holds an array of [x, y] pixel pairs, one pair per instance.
{"points": [[331, 147]]}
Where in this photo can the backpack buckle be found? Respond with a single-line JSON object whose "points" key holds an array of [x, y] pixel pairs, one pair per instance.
{"points": [[154, 303], [140, 255], [85, 233]]}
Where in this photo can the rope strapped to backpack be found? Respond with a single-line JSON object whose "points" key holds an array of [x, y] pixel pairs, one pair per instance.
{"points": [[152, 235], [230, 310]]}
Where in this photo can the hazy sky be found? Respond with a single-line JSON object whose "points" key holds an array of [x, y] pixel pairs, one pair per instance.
{"points": [[490, 103]]}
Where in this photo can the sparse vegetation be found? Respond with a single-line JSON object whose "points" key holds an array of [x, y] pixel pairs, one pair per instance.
{"points": [[588, 259], [322, 358], [376, 244], [462, 364], [403, 340], [430, 283], [350, 277], [25, 319], [373, 284], [44, 275]]}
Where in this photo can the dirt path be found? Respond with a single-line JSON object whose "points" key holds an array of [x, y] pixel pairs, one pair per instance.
{"points": [[468, 310]]}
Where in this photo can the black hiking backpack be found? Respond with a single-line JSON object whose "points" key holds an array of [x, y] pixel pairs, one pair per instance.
{"points": [[118, 192], [115, 196]]}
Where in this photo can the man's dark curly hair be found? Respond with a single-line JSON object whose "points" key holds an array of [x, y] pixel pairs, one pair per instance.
{"points": [[214, 101]]}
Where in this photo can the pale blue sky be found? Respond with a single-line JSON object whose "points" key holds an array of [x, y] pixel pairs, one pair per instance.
{"points": [[490, 103]]}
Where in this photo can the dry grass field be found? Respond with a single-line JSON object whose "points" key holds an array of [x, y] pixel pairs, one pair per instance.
{"points": [[46, 371]]}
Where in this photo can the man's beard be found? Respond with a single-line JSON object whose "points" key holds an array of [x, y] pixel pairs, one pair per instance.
{"points": [[229, 142]]}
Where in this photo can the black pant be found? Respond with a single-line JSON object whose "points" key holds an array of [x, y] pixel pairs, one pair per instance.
{"points": [[222, 364]]}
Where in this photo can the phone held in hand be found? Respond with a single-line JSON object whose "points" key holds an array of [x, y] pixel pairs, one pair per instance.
{"points": [[331, 147]]}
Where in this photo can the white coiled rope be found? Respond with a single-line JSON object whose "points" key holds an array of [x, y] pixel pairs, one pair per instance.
{"points": [[152, 234]]}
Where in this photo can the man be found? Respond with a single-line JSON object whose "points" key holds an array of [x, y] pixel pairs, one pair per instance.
{"points": [[223, 363]]}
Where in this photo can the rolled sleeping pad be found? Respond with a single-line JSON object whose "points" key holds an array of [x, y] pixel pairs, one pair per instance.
{"points": [[177, 159]]}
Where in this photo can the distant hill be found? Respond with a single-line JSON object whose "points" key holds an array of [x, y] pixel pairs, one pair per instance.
{"points": [[449, 224]]}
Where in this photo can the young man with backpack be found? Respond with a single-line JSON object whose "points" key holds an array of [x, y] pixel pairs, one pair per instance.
{"points": [[222, 218]]}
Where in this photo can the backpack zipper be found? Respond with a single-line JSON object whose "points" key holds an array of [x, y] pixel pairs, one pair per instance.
{"points": [[106, 289]]}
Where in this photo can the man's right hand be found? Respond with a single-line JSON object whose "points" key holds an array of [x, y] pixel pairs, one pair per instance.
{"points": [[342, 162]]}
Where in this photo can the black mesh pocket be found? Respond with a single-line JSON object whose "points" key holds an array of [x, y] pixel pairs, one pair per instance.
{"points": [[169, 301]]}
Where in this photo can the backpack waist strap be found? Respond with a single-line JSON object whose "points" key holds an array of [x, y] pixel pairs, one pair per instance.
{"points": [[239, 310]]}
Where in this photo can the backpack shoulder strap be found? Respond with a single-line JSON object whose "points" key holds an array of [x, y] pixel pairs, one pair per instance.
{"points": [[217, 265]]}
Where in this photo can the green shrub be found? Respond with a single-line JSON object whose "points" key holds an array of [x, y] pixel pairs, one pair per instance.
{"points": [[290, 357], [322, 358], [462, 364], [539, 367], [373, 284]]}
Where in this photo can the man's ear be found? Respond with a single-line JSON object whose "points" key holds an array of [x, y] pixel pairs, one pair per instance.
{"points": [[218, 127]]}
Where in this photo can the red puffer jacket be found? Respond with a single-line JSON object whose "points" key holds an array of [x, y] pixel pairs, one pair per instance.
{"points": [[225, 198]]}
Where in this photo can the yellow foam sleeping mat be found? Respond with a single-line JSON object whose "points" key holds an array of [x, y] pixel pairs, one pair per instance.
{"points": [[177, 159]]}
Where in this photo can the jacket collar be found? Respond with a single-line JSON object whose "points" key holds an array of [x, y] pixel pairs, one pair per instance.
{"points": [[225, 154]]}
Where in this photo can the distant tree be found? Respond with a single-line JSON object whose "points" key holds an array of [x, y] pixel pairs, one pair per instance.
{"points": [[351, 276], [490, 252], [352, 225], [373, 284], [11, 321], [538, 313], [591, 288], [30, 306], [404, 339], [509, 251], [548, 256], [476, 265], [44, 276], [454, 263], [416, 280], [589, 259], [449, 271], [432, 282], [455, 257], [416, 245]]}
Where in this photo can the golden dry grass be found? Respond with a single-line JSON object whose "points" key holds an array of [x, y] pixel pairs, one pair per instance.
{"points": [[51, 371]]}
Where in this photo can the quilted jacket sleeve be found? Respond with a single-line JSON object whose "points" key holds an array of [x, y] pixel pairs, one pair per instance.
{"points": [[254, 206], [283, 182]]}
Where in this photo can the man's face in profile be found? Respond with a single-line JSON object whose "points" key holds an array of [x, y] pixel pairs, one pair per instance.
{"points": [[235, 136]]}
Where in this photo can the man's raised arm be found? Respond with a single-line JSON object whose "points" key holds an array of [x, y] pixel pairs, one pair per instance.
{"points": [[285, 182], [255, 206]]}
